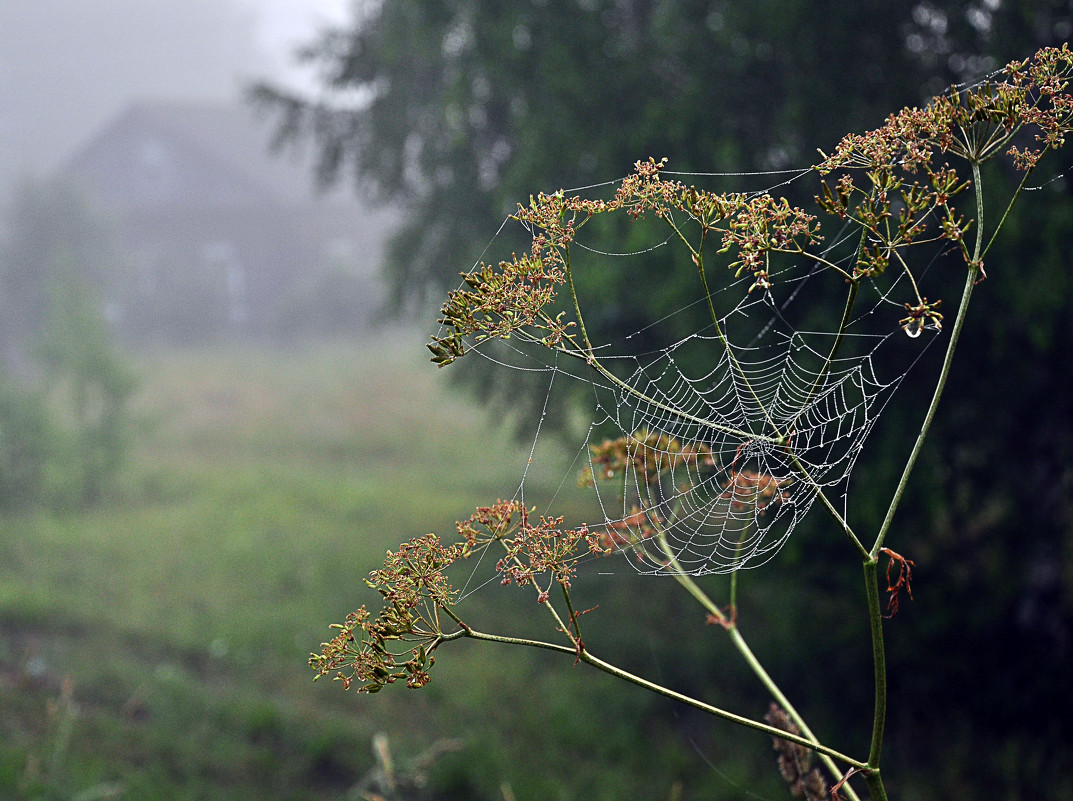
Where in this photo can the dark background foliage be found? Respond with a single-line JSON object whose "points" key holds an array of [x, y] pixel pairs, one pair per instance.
{"points": [[469, 106]]}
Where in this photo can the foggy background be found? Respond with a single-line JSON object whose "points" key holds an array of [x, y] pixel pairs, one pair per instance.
{"points": [[134, 113], [68, 66]]}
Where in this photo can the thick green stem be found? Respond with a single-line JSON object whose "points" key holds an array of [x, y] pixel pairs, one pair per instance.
{"points": [[871, 564], [874, 782], [879, 661]]}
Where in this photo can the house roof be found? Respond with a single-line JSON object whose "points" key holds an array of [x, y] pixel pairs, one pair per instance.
{"points": [[177, 154]]}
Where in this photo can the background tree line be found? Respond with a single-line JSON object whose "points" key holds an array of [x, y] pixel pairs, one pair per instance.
{"points": [[466, 107]]}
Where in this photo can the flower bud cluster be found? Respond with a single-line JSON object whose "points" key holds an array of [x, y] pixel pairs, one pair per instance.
{"points": [[414, 587], [398, 644], [531, 549], [646, 454], [894, 207]]}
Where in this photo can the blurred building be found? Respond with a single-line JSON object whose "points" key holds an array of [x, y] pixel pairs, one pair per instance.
{"points": [[218, 235]]}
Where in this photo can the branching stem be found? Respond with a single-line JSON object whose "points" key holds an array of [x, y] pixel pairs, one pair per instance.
{"points": [[1009, 207], [617, 672], [875, 615], [972, 277], [730, 625]]}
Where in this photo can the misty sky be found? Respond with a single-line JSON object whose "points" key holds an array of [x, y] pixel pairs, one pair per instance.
{"points": [[68, 66]]}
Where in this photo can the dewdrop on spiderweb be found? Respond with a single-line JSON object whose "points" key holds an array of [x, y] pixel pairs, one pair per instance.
{"points": [[923, 315]]}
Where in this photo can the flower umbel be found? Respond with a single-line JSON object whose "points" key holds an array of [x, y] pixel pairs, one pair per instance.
{"points": [[532, 550], [748, 490], [498, 303], [398, 644], [415, 588], [647, 453]]}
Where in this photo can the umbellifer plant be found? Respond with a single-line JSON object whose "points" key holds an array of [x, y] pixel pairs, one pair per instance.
{"points": [[711, 474]]}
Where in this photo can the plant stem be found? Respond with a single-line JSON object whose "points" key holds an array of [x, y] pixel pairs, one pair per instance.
{"points": [[731, 627], [617, 672], [580, 652], [770, 730], [971, 279], [879, 661], [830, 507], [769, 684], [1009, 207], [577, 306], [871, 564], [874, 782]]}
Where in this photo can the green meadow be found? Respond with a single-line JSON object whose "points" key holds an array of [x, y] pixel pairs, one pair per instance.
{"points": [[155, 646]]}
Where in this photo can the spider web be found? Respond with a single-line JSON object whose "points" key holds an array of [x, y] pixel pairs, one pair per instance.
{"points": [[736, 506], [709, 469]]}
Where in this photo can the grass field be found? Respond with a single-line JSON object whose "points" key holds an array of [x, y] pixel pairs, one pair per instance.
{"points": [[155, 647]]}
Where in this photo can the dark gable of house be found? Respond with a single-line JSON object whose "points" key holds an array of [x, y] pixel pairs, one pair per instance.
{"points": [[222, 236]]}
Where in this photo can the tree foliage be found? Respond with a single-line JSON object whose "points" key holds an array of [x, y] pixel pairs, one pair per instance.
{"points": [[461, 108]]}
